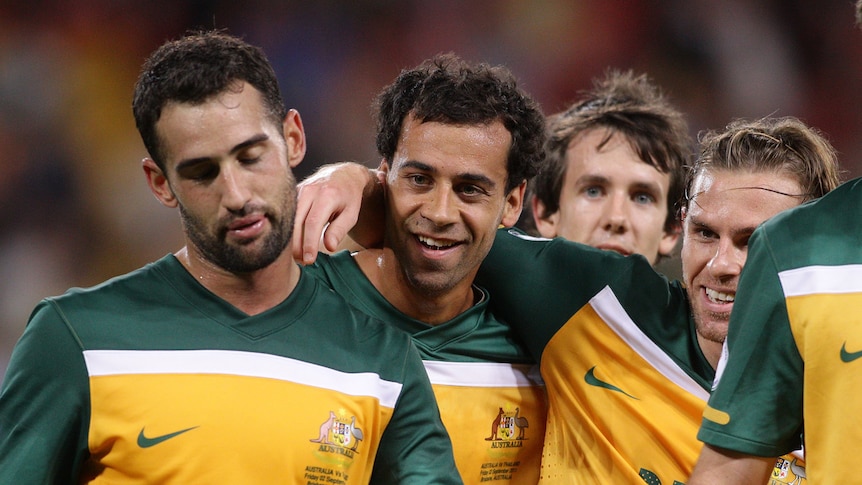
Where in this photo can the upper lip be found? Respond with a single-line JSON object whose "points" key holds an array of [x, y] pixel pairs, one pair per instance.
{"points": [[244, 222], [436, 241]]}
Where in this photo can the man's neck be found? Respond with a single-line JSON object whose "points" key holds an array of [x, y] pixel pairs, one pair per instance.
{"points": [[252, 293], [711, 350], [384, 272]]}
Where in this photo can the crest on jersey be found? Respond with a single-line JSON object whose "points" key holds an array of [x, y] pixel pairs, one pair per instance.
{"points": [[339, 434], [508, 425]]}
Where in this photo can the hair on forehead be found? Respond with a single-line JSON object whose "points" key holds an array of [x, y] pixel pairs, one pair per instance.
{"points": [[448, 89], [782, 145]]}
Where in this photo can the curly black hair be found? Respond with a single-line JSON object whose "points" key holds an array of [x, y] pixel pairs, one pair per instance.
{"points": [[447, 89]]}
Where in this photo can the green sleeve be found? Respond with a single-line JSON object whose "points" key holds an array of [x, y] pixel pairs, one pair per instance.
{"points": [[44, 405], [415, 447], [536, 285], [759, 384]]}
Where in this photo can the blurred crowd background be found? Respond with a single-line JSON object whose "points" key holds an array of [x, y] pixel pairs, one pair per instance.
{"points": [[75, 207]]}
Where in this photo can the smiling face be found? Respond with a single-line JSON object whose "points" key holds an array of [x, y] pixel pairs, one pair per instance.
{"points": [[446, 197], [725, 208], [610, 199], [228, 170]]}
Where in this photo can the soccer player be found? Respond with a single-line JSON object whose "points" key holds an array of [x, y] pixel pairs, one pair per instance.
{"points": [[627, 356], [458, 142], [220, 363], [615, 170], [793, 349]]}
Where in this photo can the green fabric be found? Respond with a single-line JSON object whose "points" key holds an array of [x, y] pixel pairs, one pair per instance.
{"points": [[475, 335], [44, 403], [538, 284], [776, 360]]}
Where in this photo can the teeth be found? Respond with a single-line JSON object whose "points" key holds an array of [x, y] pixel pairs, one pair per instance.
{"points": [[435, 243], [719, 297]]}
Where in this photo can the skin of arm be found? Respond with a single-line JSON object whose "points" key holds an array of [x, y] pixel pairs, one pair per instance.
{"points": [[338, 200], [717, 466]]}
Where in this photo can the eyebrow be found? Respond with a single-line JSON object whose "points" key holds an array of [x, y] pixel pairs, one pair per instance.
{"points": [[189, 162], [603, 180], [471, 177], [592, 179], [648, 186]]}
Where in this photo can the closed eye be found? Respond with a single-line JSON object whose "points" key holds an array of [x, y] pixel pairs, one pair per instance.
{"points": [[199, 172]]}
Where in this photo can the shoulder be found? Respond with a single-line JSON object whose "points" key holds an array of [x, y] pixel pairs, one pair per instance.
{"points": [[820, 232], [141, 286], [332, 311]]}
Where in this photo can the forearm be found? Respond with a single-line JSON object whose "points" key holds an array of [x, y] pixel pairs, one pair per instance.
{"points": [[329, 204], [716, 466], [370, 224]]}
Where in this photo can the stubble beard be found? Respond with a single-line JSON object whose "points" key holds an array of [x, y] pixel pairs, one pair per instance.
{"points": [[239, 258], [427, 277], [712, 326]]}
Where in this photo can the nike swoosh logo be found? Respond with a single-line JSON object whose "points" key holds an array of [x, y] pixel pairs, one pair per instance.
{"points": [[849, 356], [592, 380], [145, 442]]}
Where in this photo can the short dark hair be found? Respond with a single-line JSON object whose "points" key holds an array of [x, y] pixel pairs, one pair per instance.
{"points": [[195, 68], [785, 145], [447, 89], [630, 105]]}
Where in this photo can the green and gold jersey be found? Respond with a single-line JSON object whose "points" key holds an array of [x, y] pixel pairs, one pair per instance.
{"points": [[490, 396], [150, 378], [625, 377], [795, 341]]}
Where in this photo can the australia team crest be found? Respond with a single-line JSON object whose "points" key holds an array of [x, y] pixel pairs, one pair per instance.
{"points": [[508, 425], [340, 433]]}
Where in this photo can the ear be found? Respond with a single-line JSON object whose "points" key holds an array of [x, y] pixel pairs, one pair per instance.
{"points": [[383, 167], [546, 224], [294, 135], [158, 183], [669, 240], [513, 205], [383, 173]]}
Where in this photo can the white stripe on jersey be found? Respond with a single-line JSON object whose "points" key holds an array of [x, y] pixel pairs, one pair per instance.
{"points": [[238, 363], [822, 279], [482, 374], [610, 310]]}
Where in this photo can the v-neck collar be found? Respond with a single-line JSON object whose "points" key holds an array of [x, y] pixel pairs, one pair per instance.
{"points": [[215, 308]]}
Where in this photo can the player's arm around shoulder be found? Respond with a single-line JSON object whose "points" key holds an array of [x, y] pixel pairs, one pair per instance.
{"points": [[716, 466], [340, 206]]}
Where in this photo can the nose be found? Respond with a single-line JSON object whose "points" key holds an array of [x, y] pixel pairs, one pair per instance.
{"points": [[235, 193], [616, 217], [727, 261], [441, 206]]}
